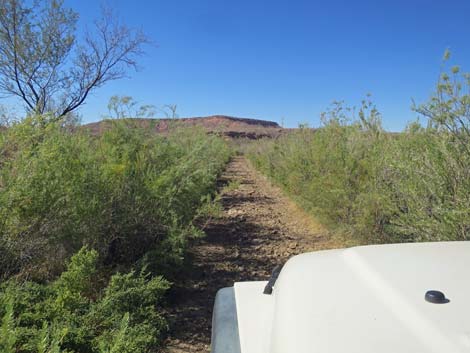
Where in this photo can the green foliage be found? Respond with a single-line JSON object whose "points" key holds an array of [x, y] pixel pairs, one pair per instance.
{"points": [[75, 284], [120, 107], [7, 329], [119, 344], [377, 186], [122, 193], [432, 166], [50, 339], [332, 169], [126, 199], [67, 316]]}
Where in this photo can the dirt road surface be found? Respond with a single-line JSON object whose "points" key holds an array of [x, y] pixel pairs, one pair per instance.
{"points": [[258, 229]]}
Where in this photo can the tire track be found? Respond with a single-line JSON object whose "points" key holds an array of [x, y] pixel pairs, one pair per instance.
{"points": [[260, 227]]}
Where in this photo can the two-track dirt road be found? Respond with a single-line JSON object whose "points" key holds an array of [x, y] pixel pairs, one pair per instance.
{"points": [[259, 228]]}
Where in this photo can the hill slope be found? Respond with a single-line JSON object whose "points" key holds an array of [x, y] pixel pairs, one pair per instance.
{"points": [[217, 124]]}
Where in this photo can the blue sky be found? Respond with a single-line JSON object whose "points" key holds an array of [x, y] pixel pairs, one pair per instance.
{"points": [[287, 60]]}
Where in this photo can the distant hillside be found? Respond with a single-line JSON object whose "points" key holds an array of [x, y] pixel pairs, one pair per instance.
{"points": [[217, 124]]}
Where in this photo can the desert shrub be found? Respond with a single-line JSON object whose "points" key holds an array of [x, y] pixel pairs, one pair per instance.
{"points": [[332, 171], [431, 167], [125, 202], [377, 186], [123, 193], [70, 315]]}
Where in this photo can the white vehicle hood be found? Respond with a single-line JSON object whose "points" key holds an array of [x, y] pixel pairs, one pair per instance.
{"points": [[361, 300]]}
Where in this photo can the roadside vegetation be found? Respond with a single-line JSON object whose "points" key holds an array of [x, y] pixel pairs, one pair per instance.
{"points": [[94, 226], [380, 187], [88, 224]]}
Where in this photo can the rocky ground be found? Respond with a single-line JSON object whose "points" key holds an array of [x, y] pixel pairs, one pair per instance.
{"points": [[258, 229]]}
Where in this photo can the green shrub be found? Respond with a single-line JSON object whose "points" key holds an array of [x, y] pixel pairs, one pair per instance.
{"points": [[377, 186], [121, 193], [124, 202], [67, 315], [331, 171]]}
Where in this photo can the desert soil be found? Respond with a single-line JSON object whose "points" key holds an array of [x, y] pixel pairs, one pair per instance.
{"points": [[259, 228]]}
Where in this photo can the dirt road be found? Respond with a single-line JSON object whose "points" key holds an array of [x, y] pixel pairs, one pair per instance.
{"points": [[259, 228]]}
